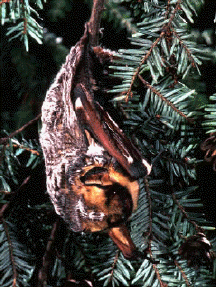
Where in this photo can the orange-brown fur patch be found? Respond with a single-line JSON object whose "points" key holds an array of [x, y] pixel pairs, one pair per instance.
{"points": [[95, 196]]}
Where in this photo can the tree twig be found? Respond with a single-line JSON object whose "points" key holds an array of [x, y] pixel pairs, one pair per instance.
{"points": [[94, 22], [183, 273], [197, 227], [5, 140], [113, 266], [164, 30], [184, 47], [142, 62], [154, 90], [162, 284], [48, 257], [10, 245], [14, 198], [33, 151]]}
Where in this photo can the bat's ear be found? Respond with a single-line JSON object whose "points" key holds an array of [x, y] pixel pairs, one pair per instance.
{"points": [[121, 237]]}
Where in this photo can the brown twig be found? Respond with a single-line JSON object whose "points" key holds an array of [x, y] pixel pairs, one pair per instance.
{"points": [[164, 29], [150, 208], [2, 210], [185, 47], [33, 151], [5, 140], [6, 205], [167, 9], [25, 22], [141, 63], [183, 273], [48, 257], [94, 22], [177, 7], [162, 284], [197, 227], [10, 245], [155, 91], [113, 265]]}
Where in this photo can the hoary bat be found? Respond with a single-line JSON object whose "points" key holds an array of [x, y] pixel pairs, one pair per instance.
{"points": [[91, 166]]}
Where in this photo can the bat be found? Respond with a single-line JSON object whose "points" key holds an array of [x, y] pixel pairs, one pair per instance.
{"points": [[92, 168]]}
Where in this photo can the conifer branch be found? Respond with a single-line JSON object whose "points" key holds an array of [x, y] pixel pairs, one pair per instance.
{"points": [[183, 273], [7, 205], [162, 284], [197, 227], [185, 47], [150, 210], [164, 30], [129, 92], [33, 151], [167, 9], [174, 12], [24, 19], [48, 257], [10, 246], [113, 265], [13, 134], [155, 91]]}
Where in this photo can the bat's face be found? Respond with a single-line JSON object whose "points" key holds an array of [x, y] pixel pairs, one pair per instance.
{"points": [[106, 198], [103, 198]]}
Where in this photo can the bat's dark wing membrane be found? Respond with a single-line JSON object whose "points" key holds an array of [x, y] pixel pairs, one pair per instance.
{"points": [[93, 118]]}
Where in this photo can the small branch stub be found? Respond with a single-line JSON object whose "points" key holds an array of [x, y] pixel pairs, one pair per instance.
{"points": [[94, 22]]}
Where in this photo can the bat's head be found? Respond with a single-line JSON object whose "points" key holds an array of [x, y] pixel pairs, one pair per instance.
{"points": [[105, 199]]}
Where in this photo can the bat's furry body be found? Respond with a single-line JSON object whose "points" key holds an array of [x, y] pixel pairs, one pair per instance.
{"points": [[91, 166]]}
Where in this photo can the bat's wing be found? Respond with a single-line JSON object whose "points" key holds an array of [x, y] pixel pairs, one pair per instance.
{"points": [[102, 127]]}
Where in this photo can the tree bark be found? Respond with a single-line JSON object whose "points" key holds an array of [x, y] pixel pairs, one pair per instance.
{"points": [[94, 22]]}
